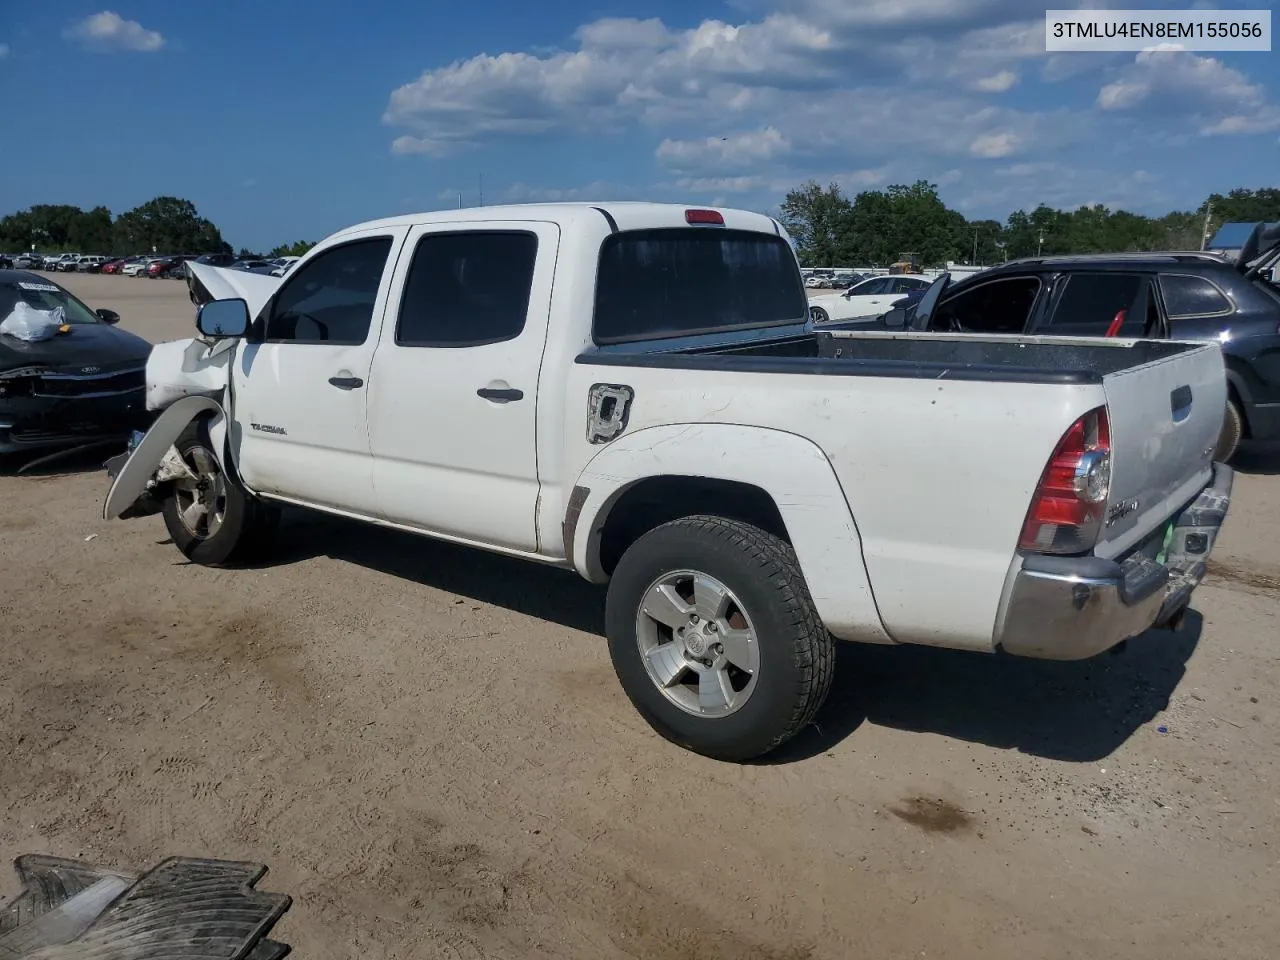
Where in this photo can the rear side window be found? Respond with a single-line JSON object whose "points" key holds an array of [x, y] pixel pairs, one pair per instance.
{"points": [[691, 280], [1187, 296], [1091, 303], [467, 289]]}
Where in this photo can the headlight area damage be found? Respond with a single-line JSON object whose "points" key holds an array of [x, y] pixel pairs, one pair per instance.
{"points": [[182, 907], [186, 380]]}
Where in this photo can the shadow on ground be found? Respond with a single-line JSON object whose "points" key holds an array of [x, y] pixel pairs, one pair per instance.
{"points": [[61, 463], [1065, 711], [1260, 459]]}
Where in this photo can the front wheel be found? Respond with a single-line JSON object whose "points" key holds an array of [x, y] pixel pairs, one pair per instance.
{"points": [[1232, 432], [818, 315], [212, 519], [715, 639]]}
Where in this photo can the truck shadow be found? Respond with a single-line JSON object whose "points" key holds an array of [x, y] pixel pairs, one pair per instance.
{"points": [[1063, 711], [1077, 712], [1259, 459]]}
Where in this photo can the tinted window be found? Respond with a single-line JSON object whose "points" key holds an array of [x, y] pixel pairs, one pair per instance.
{"points": [[466, 289], [1186, 296], [1090, 303], [999, 306], [872, 287], [672, 282], [330, 300]]}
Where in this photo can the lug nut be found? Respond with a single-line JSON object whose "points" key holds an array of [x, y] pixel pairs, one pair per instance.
{"points": [[712, 626]]}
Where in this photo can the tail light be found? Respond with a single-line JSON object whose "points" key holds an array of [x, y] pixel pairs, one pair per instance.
{"points": [[1069, 503], [711, 217]]}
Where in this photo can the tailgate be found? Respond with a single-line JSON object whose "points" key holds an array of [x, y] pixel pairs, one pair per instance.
{"points": [[1165, 419]]}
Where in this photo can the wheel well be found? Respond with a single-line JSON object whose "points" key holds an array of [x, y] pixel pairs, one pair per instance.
{"points": [[658, 500]]}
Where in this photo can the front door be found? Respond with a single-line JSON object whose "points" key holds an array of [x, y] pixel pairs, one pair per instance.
{"points": [[300, 381], [453, 401]]}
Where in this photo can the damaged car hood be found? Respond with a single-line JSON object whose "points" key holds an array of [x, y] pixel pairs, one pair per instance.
{"points": [[222, 283], [83, 345]]}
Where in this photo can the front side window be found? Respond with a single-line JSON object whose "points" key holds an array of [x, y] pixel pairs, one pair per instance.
{"points": [[467, 289], [872, 288], [682, 281], [997, 306], [331, 299]]}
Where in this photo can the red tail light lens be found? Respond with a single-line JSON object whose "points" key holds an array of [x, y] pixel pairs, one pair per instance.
{"points": [[704, 216], [1067, 509]]}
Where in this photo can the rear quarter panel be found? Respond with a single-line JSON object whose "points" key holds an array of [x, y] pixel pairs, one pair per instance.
{"points": [[937, 474]]}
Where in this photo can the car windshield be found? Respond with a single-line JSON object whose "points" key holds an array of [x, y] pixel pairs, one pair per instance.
{"points": [[40, 295]]}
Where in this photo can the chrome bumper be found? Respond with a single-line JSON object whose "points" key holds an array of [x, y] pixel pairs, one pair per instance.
{"points": [[1072, 608]]}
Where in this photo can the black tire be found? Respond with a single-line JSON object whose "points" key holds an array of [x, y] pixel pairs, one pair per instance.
{"points": [[818, 315], [1232, 433], [796, 653], [247, 526]]}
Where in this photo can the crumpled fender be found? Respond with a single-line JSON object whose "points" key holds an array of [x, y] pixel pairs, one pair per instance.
{"points": [[791, 469], [132, 480]]}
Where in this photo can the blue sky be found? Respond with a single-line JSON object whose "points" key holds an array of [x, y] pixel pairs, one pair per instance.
{"points": [[290, 119]]}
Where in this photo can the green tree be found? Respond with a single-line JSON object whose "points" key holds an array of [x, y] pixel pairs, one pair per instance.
{"points": [[296, 249], [813, 217], [170, 225]]}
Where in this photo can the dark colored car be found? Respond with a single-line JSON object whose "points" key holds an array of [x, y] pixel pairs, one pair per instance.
{"points": [[85, 385], [1182, 296], [6, 262], [216, 259], [254, 266]]}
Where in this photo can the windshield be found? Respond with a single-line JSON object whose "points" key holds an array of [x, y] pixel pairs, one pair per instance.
{"points": [[683, 281], [43, 296]]}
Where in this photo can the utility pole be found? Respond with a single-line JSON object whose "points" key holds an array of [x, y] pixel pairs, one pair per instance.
{"points": [[481, 189], [974, 261], [1040, 246], [459, 199], [1204, 234]]}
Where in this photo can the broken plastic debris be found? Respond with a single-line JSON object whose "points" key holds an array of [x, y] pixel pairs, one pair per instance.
{"points": [[92, 536]]}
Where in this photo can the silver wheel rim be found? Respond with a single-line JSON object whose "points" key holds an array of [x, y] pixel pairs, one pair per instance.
{"points": [[697, 643], [202, 501]]}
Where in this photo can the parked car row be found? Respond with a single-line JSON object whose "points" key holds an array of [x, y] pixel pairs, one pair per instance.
{"points": [[168, 267]]}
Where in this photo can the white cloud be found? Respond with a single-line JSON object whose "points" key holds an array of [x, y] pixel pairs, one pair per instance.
{"points": [[109, 32], [991, 145], [1216, 98], [738, 149], [997, 82], [4, 50]]}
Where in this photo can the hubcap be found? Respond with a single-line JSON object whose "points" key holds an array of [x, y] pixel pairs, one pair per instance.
{"points": [[697, 643], [202, 502]]}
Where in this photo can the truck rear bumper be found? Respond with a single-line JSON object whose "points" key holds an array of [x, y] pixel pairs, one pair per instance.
{"points": [[1072, 608]]}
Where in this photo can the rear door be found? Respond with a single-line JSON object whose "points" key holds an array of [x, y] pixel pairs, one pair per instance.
{"points": [[453, 401], [1165, 419]]}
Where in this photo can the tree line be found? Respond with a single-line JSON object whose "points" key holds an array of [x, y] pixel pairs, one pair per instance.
{"points": [[877, 227], [162, 225]]}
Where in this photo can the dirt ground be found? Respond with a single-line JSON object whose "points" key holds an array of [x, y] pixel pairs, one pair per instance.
{"points": [[429, 749]]}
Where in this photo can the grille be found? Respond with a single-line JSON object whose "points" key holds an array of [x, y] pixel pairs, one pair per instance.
{"points": [[107, 384]]}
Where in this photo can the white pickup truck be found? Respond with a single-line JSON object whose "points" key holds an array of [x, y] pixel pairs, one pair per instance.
{"points": [[632, 391]]}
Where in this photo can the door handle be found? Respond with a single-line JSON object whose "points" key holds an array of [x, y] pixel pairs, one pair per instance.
{"points": [[500, 395], [346, 383]]}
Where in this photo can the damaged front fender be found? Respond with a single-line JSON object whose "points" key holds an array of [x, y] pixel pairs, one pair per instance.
{"points": [[154, 461]]}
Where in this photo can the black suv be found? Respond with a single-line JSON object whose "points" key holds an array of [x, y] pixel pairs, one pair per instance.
{"points": [[1184, 296]]}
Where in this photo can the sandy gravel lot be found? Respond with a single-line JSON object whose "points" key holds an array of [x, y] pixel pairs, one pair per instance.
{"points": [[429, 749]]}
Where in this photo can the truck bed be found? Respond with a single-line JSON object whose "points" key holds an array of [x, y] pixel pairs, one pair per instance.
{"points": [[932, 356]]}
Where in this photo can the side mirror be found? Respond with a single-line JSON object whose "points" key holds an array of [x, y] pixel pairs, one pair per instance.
{"points": [[895, 318], [108, 316], [222, 319]]}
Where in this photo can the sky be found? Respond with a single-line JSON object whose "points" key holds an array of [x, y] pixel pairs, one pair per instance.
{"points": [[291, 119]]}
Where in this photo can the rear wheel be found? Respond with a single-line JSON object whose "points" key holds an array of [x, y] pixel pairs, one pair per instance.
{"points": [[212, 519], [1232, 432], [715, 638]]}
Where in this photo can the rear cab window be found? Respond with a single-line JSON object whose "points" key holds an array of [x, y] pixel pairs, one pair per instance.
{"points": [[684, 281]]}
